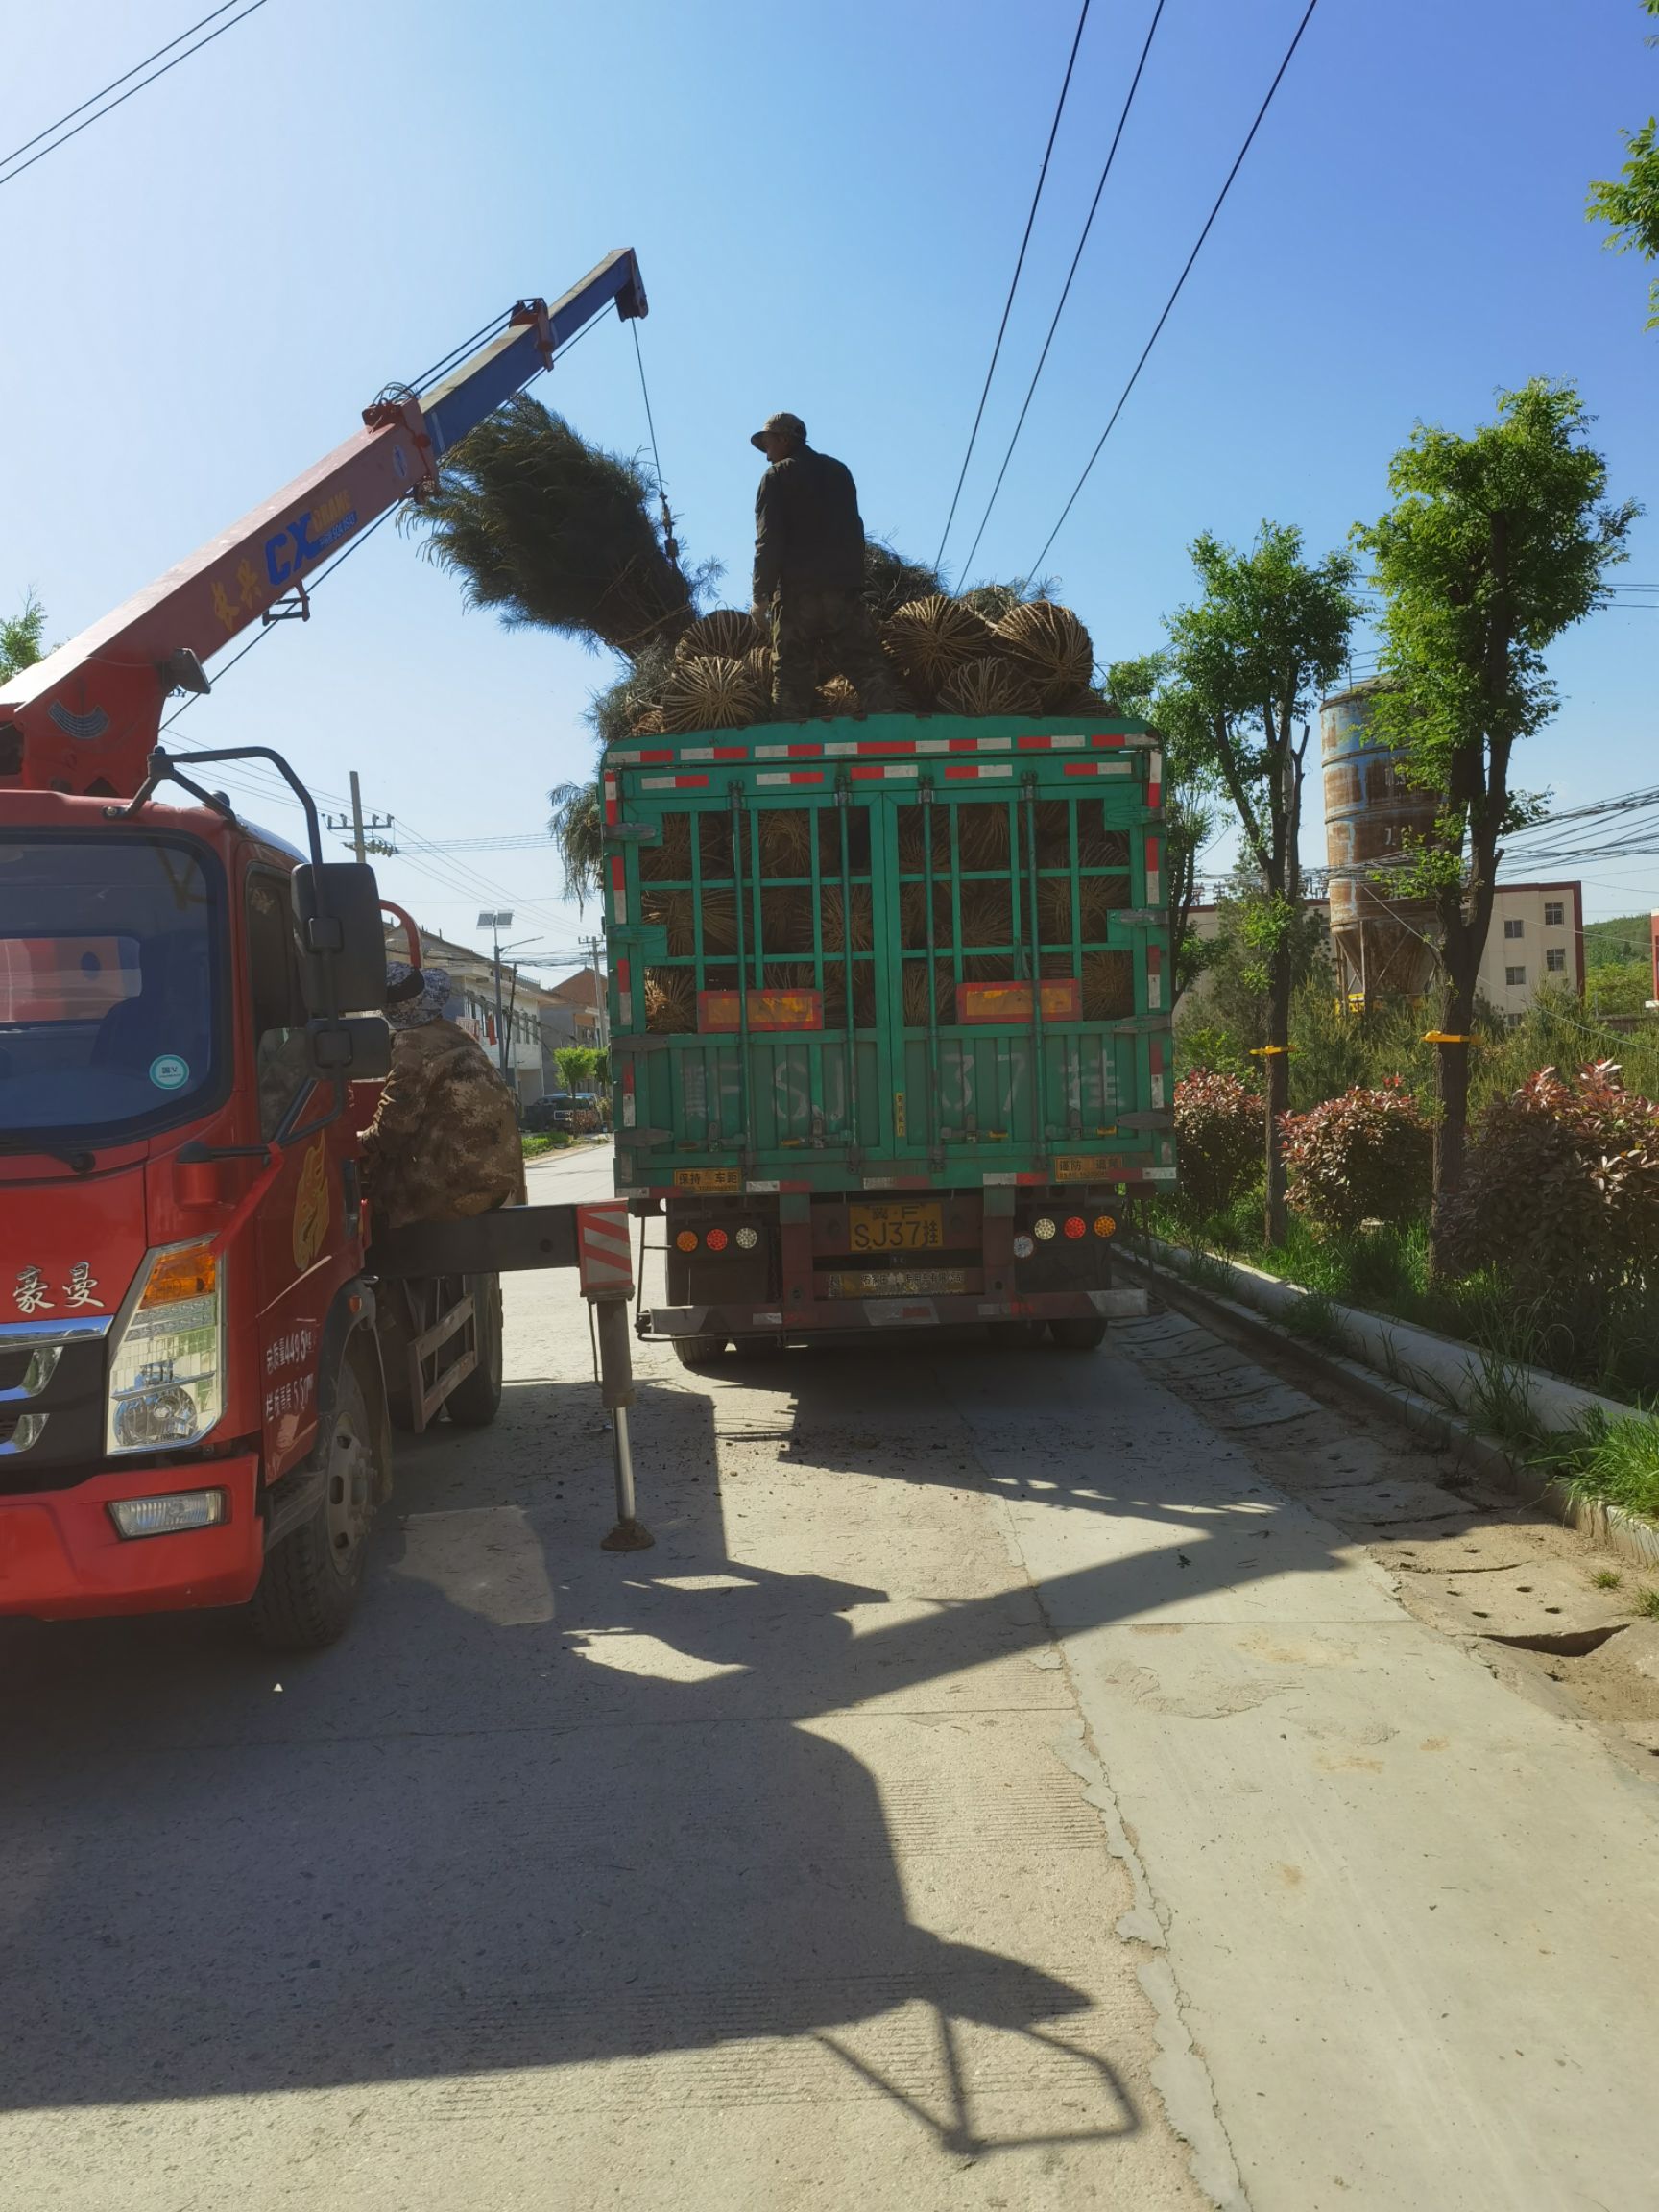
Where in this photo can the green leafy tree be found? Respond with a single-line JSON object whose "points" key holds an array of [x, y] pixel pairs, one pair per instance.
{"points": [[575, 1065], [1495, 544], [1628, 203], [20, 638], [1250, 662], [1141, 686]]}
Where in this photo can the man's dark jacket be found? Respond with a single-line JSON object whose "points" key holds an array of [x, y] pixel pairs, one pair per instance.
{"points": [[807, 533]]}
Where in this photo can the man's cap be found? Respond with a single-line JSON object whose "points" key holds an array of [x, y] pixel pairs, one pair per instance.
{"points": [[784, 425]]}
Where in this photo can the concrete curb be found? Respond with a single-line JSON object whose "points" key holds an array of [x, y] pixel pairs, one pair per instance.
{"points": [[1626, 1534]]}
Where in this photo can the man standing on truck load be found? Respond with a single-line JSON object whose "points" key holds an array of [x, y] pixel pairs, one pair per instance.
{"points": [[444, 1144], [809, 576]]}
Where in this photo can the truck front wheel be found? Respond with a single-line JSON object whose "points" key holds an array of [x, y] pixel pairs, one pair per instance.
{"points": [[1078, 1335], [309, 1587]]}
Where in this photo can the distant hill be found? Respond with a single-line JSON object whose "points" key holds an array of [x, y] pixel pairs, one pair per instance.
{"points": [[1627, 937]]}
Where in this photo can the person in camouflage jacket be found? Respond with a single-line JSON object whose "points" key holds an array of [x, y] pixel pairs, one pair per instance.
{"points": [[444, 1144], [809, 577]]}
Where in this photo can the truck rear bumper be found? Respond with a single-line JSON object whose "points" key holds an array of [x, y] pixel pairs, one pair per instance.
{"points": [[824, 1314], [61, 1559]]}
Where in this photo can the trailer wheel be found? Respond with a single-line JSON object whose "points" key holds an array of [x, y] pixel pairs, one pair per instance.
{"points": [[1078, 1335], [1014, 1335], [309, 1587], [475, 1402], [699, 1351]]}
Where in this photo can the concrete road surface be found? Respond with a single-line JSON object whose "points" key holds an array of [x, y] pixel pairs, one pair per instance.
{"points": [[994, 1791]]}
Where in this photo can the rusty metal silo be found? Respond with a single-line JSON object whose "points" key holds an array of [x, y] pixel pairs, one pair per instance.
{"points": [[1384, 946]]}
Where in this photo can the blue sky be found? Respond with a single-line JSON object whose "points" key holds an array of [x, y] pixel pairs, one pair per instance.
{"points": [[204, 290]]}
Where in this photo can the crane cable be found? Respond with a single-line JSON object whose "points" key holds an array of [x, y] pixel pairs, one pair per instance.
{"points": [[668, 546], [1180, 281], [1019, 263], [52, 128], [1065, 289]]}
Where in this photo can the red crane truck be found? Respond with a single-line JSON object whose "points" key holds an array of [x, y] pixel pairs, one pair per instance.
{"points": [[194, 1401]]}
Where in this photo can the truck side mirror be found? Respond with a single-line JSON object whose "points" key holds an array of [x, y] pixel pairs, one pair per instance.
{"points": [[337, 905], [357, 1049]]}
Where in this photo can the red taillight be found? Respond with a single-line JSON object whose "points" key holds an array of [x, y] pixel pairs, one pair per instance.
{"points": [[716, 1240], [1076, 1226]]}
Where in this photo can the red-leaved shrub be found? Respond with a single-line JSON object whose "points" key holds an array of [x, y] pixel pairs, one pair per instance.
{"points": [[1367, 1156], [1218, 1139], [1561, 1189]]}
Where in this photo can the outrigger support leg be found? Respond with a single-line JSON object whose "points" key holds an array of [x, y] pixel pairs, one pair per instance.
{"points": [[616, 1395]]}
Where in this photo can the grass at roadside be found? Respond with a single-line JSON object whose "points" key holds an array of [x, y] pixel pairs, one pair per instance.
{"points": [[1614, 1462], [546, 1140], [1385, 1270]]}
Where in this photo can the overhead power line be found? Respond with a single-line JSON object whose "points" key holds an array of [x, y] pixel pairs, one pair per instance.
{"points": [[1180, 281], [1066, 288], [1013, 284], [54, 135]]}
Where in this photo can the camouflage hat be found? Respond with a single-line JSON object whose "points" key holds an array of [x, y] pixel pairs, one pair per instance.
{"points": [[784, 426]]}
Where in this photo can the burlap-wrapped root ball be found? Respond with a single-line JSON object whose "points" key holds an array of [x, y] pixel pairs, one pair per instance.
{"points": [[711, 693], [987, 686], [726, 635], [926, 638]]}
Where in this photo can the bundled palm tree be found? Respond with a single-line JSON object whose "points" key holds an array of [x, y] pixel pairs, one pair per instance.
{"points": [[549, 530]]}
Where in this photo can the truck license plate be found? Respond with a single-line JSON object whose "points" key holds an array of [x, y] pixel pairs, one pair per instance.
{"points": [[895, 1225], [707, 1179]]}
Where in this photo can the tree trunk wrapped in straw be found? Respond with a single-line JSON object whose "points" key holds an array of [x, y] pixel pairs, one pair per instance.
{"points": [[785, 841], [649, 723], [1051, 646], [677, 911], [785, 920], [726, 635], [839, 697], [834, 915], [761, 664], [1099, 897], [1108, 986], [711, 693], [670, 1000], [988, 686], [670, 861], [982, 833], [930, 637]]}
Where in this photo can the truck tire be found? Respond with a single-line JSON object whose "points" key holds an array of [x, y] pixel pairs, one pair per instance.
{"points": [[1083, 1333], [699, 1351], [476, 1401], [1014, 1335], [308, 1589]]}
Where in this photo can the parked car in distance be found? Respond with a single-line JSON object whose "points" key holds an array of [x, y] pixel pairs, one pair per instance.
{"points": [[559, 1110]]}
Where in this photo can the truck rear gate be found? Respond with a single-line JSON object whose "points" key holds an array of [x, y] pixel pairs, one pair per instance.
{"points": [[906, 957]]}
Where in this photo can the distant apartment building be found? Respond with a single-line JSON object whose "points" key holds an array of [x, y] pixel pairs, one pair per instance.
{"points": [[1536, 938], [471, 1006]]}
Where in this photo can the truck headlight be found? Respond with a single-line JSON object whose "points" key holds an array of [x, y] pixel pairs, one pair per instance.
{"points": [[166, 1361]]}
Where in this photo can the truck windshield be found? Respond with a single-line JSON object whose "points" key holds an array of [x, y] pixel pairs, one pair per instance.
{"points": [[109, 966]]}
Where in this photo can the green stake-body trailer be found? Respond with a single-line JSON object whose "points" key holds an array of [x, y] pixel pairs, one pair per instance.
{"points": [[890, 1020]]}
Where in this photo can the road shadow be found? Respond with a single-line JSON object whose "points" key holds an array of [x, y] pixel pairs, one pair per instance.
{"points": [[547, 1808]]}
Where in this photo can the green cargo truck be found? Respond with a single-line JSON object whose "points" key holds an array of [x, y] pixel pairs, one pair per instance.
{"points": [[890, 1021]]}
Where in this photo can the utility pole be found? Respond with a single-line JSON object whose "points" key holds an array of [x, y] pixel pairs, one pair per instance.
{"points": [[601, 1009], [495, 924], [361, 842]]}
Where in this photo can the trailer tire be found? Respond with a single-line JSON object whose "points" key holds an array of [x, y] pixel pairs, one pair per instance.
{"points": [[476, 1401], [308, 1589], [1014, 1335], [697, 1351], [1080, 1333]]}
